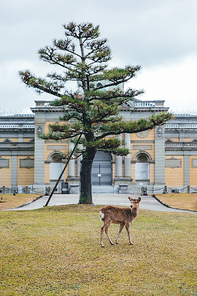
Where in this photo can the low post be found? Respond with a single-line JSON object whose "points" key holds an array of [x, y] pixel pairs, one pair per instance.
{"points": [[188, 189], [165, 189], [4, 189], [26, 190]]}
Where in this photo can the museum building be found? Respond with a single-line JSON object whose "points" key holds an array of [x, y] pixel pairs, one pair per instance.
{"points": [[165, 157]]}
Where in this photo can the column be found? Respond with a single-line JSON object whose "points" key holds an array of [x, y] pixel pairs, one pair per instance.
{"points": [[159, 155], [71, 165], [79, 159], [20, 137], [39, 155], [186, 169], [119, 162], [127, 158], [14, 171]]}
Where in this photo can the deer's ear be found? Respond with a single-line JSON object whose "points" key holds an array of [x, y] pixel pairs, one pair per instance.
{"points": [[139, 199], [129, 198]]}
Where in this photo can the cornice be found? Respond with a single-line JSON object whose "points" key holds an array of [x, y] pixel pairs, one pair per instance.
{"points": [[142, 141], [47, 109], [149, 109], [16, 146]]}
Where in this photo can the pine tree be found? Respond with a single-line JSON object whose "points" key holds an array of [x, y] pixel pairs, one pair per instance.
{"points": [[94, 111]]}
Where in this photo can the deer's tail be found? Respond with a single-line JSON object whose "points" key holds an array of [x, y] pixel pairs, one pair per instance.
{"points": [[101, 215]]}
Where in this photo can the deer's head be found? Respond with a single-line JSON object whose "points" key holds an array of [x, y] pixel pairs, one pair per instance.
{"points": [[134, 201]]}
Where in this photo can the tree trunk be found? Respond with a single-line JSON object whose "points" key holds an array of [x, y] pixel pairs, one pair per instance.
{"points": [[85, 181]]}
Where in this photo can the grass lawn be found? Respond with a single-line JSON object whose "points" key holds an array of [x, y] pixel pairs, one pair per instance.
{"points": [[180, 200], [8, 201], [56, 251]]}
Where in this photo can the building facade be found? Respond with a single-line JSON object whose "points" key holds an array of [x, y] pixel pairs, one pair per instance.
{"points": [[164, 156], [16, 151]]}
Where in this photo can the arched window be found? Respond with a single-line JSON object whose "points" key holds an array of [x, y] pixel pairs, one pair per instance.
{"points": [[142, 158], [99, 84], [56, 166], [57, 157], [142, 169]]}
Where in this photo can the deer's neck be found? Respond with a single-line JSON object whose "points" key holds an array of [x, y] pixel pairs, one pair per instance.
{"points": [[134, 212]]}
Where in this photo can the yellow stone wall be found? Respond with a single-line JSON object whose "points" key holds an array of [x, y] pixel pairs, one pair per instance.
{"points": [[47, 173], [152, 173], [27, 139], [193, 173], [150, 137], [5, 173], [25, 176], [189, 139], [46, 128], [15, 139], [49, 148], [113, 170], [133, 172], [59, 146], [174, 176]]}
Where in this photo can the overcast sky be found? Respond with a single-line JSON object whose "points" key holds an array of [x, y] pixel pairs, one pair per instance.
{"points": [[159, 35]]}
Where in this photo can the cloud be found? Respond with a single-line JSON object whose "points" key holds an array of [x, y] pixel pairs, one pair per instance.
{"points": [[174, 83], [159, 35]]}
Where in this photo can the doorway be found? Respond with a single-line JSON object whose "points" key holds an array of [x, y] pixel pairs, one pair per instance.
{"points": [[142, 170], [102, 169]]}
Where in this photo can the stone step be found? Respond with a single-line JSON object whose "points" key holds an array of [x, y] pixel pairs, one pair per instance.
{"points": [[103, 189]]}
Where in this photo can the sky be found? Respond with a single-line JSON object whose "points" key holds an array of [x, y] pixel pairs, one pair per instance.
{"points": [[159, 35]]}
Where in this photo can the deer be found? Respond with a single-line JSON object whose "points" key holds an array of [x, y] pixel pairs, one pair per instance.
{"points": [[117, 215]]}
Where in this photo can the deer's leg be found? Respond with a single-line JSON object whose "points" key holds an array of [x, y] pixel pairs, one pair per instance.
{"points": [[107, 233], [101, 236], [128, 231], [120, 229]]}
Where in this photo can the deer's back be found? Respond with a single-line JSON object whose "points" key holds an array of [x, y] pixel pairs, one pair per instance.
{"points": [[117, 214]]}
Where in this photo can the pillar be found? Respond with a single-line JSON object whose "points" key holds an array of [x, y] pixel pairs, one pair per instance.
{"points": [[186, 169], [159, 155], [39, 154], [71, 165], [127, 158], [119, 162], [14, 171]]}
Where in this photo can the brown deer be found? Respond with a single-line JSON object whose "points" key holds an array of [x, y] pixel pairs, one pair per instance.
{"points": [[117, 215]]}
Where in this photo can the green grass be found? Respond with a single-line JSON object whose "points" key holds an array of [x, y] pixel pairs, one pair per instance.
{"points": [[56, 251]]}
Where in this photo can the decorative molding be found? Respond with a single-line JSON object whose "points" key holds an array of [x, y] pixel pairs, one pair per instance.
{"points": [[53, 141], [4, 163], [144, 147], [159, 131], [57, 147], [27, 162], [7, 141], [169, 141], [39, 130], [143, 134], [173, 162], [50, 156], [141, 152], [143, 141], [194, 163]]}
